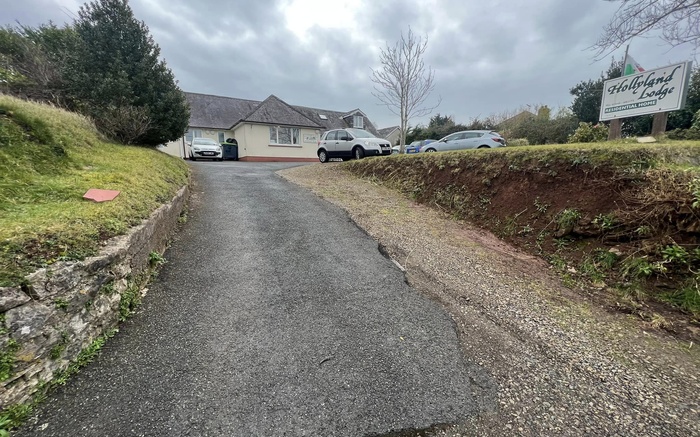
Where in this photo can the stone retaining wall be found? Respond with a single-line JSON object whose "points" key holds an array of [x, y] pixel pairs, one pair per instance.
{"points": [[68, 305]]}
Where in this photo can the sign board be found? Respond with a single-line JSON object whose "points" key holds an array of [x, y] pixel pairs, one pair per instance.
{"points": [[649, 92], [311, 138]]}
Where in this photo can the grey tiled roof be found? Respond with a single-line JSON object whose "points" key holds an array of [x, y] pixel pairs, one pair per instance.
{"points": [[217, 112], [522, 115], [274, 111], [386, 131], [334, 120]]}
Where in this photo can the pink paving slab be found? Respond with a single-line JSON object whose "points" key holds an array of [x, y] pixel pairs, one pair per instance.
{"points": [[100, 195]]}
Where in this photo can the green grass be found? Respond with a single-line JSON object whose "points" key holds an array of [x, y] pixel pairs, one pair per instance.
{"points": [[7, 359], [568, 217], [86, 356], [48, 159], [130, 300], [686, 298]]}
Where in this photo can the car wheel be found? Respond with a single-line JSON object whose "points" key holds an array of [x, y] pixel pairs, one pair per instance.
{"points": [[431, 150], [192, 158], [484, 146], [323, 156], [358, 153]]}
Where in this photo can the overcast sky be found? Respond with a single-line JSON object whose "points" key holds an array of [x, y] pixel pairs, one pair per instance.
{"points": [[489, 57]]}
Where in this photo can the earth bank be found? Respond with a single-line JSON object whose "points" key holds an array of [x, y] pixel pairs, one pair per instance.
{"points": [[620, 222], [564, 365]]}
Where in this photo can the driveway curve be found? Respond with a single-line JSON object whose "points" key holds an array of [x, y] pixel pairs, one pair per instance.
{"points": [[274, 315]]}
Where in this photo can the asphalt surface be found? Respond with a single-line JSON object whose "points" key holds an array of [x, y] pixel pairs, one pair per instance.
{"points": [[274, 315]]}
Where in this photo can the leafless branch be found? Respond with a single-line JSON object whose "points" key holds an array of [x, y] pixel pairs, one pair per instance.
{"points": [[404, 82], [677, 20]]}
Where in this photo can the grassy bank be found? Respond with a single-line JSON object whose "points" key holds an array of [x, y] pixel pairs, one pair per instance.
{"points": [[48, 159], [618, 219]]}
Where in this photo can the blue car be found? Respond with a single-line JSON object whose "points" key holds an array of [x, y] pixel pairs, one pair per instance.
{"points": [[414, 147]]}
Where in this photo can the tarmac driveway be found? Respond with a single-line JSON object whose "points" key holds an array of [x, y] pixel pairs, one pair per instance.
{"points": [[274, 315]]}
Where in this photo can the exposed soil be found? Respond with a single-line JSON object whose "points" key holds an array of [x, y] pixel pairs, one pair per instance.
{"points": [[603, 226]]}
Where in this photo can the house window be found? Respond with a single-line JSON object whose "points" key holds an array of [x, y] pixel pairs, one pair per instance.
{"points": [[284, 135], [194, 133], [358, 122], [221, 137]]}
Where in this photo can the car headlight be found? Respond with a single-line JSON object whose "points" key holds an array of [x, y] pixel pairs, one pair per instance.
{"points": [[196, 149]]}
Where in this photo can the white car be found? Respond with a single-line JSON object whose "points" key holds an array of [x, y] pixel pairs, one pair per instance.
{"points": [[205, 148], [351, 143]]}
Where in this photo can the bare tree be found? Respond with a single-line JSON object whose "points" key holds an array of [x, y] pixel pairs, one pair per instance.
{"points": [[403, 83], [677, 20]]}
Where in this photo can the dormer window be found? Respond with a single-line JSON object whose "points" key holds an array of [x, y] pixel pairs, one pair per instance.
{"points": [[358, 122]]}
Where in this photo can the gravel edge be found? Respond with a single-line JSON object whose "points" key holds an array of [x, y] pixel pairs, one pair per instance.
{"points": [[564, 366]]}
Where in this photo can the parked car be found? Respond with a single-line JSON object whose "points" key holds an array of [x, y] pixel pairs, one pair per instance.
{"points": [[468, 139], [205, 148], [414, 147], [351, 143]]}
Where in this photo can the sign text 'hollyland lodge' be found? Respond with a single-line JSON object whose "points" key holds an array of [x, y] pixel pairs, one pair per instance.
{"points": [[649, 92]]}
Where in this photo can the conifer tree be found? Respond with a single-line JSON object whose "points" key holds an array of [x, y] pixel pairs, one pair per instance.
{"points": [[118, 74]]}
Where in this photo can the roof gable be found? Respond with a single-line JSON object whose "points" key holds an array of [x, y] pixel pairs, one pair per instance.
{"points": [[383, 133], [517, 118], [354, 112], [217, 112], [335, 119], [274, 111]]}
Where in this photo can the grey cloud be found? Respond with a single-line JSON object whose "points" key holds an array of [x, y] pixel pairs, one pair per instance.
{"points": [[488, 57], [35, 12]]}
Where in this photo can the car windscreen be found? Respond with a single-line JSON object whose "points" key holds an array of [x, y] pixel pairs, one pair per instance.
{"points": [[204, 141], [360, 133]]}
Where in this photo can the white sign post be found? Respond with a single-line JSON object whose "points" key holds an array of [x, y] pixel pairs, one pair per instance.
{"points": [[649, 92]]}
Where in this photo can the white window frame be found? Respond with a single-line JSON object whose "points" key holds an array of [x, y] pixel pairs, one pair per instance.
{"points": [[275, 141], [358, 122], [222, 137], [191, 134]]}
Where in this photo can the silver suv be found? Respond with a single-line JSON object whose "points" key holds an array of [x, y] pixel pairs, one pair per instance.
{"points": [[351, 143]]}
